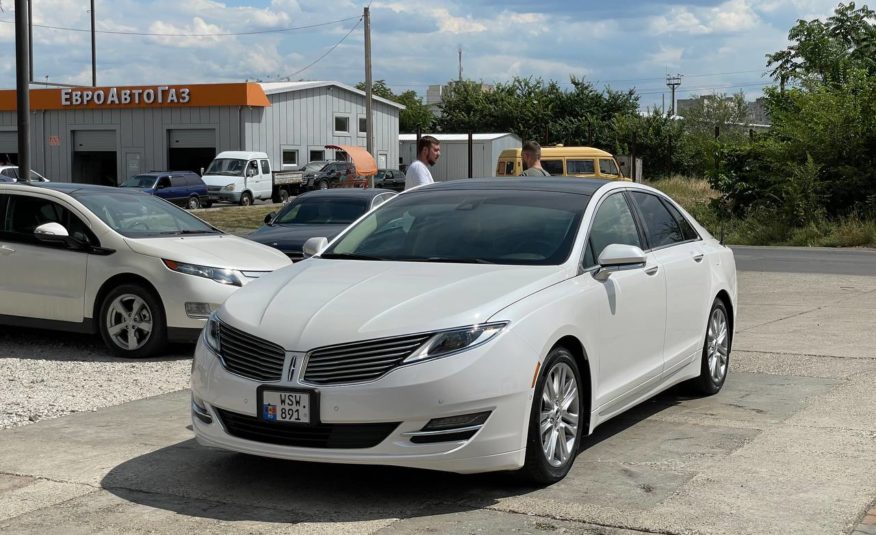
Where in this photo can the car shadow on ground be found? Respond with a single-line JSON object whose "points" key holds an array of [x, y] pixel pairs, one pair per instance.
{"points": [[192, 480], [43, 344]]}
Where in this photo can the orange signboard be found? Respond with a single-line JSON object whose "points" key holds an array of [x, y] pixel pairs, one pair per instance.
{"points": [[155, 96]]}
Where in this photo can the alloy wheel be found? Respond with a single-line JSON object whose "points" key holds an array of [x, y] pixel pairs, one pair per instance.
{"points": [[558, 421], [129, 322], [717, 345]]}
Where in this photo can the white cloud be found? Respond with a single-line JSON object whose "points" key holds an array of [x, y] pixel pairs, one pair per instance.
{"points": [[200, 34], [733, 16], [666, 56]]}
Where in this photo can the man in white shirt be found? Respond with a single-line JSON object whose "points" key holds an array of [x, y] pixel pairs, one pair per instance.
{"points": [[428, 152]]}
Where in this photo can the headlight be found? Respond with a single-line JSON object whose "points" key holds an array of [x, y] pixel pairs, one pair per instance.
{"points": [[449, 342], [220, 275], [211, 332], [228, 187]]}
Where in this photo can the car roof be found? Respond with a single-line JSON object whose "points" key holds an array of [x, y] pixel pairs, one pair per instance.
{"points": [[581, 186], [160, 173], [71, 187], [366, 193]]}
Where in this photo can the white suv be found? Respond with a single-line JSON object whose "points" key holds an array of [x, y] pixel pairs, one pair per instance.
{"points": [[131, 266]]}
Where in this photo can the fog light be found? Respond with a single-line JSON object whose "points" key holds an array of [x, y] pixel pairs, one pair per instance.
{"points": [[199, 409], [200, 310], [453, 422]]}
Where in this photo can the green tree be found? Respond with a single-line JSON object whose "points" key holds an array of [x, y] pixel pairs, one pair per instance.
{"points": [[416, 114]]}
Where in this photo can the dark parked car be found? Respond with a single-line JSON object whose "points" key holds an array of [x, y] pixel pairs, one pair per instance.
{"points": [[335, 175], [184, 188], [390, 179], [316, 214]]}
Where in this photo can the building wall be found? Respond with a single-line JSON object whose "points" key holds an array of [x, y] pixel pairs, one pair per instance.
{"points": [[453, 163], [304, 120], [142, 131]]}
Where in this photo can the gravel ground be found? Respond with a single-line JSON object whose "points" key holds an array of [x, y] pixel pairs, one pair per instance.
{"points": [[46, 374]]}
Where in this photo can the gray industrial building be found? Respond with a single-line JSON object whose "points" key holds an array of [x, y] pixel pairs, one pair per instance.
{"points": [[453, 162], [103, 135]]}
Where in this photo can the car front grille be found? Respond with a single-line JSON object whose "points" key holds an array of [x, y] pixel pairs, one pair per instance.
{"points": [[341, 436], [214, 189], [250, 356], [359, 361]]}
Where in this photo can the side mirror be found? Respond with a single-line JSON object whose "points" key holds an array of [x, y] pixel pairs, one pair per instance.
{"points": [[617, 257], [269, 218], [51, 233], [314, 246]]}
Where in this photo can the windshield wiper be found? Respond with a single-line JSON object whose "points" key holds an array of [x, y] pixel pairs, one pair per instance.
{"points": [[179, 232], [452, 260], [350, 256]]}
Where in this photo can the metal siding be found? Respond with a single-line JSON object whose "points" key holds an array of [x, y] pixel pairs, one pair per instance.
{"points": [[192, 138], [9, 141], [94, 140]]}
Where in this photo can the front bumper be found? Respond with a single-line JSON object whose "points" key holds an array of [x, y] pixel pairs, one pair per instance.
{"points": [[495, 377], [220, 196]]}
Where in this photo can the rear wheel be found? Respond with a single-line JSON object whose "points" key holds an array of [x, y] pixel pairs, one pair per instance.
{"points": [[715, 361], [132, 322], [322, 184], [246, 199], [554, 433], [194, 202], [284, 196]]}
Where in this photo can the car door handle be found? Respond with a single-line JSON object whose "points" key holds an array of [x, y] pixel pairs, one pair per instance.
{"points": [[698, 257], [6, 250], [652, 270]]}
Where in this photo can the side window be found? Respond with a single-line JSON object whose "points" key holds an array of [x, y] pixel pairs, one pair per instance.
{"points": [[613, 223], [178, 181], [252, 169], [316, 156], [163, 182], [660, 227], [607, 167], [266, 167], [580, 167], [10, 173], [687, 230], [24, 214], [290, 157], [554, 167]]}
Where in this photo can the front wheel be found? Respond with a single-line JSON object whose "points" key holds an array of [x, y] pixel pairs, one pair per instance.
{"points": [[554, 433], [322, 184], [132, 322], [246, 199], [715, 361]]}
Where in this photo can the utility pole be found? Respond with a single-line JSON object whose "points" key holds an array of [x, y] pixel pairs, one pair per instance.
{"points": [[30, 41], [369, 130], [22, 86], [673, 82], [93, 55]]}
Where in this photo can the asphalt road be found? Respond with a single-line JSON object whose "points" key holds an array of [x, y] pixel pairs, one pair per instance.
{"points": [[806, 260]]}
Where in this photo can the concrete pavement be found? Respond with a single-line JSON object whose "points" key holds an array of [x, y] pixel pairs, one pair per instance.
{"points": [[789, 446]]}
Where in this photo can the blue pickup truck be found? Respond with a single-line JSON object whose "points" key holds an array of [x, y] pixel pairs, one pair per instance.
{"points": [[184, 188]]}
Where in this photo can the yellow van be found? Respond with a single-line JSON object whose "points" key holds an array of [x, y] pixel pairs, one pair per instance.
{"points": [[572, 161]]}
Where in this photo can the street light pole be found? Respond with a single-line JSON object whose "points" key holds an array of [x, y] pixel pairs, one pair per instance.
{"points": [[93, 54], [22, 86]]}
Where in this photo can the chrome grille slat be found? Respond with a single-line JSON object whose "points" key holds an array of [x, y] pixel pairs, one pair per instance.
{"points": [[359, 361], [250, 356]]}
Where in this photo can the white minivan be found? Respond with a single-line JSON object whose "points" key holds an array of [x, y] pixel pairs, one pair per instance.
{"points": [[239, 177]]}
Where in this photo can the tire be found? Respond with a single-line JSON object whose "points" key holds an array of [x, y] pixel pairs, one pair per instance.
{"points": [[322, 184], [548, 457], [284, 196], [715, 360], [246, 199], [143, 335], [207, 204], [194, 203]]}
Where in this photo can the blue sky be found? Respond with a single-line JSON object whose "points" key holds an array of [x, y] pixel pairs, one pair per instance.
{"points": [[719, 46]]}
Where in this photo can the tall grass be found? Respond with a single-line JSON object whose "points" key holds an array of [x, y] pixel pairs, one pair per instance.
{"points": [[765, 227]]}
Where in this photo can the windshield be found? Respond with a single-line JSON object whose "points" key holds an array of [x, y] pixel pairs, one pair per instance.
{"points": [[322, 211], [476, 226], [312, 167], [137, 215], [139, 181], [227, 167]]}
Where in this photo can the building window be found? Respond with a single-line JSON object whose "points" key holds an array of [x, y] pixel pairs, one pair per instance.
{"points": [[342, 124], [317, 156], [363, 126], [290, 157]]}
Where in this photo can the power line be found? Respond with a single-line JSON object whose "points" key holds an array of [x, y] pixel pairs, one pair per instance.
{"points": [[148, 34], [329, 51]]}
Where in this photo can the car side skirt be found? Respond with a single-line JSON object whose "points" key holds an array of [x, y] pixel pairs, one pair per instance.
{"points": [[87, 325]]}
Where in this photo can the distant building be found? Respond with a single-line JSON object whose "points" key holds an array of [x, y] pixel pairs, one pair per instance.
{"points": [[435, 95], [756, 112]]}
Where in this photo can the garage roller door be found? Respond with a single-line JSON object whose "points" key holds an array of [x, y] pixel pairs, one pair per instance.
{"points": [[94, 140], [9, 142], [192, 138]]}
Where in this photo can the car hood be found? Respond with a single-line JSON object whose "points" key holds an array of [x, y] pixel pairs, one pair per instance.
{"points": [[321, 302], [225, 251], [292, 237]]}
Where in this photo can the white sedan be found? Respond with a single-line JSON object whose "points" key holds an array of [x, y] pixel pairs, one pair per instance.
{"points": [[135, 268], [470, 326]]}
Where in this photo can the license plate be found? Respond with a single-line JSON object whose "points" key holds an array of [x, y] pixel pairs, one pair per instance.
{"points": [[286, 406]]}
